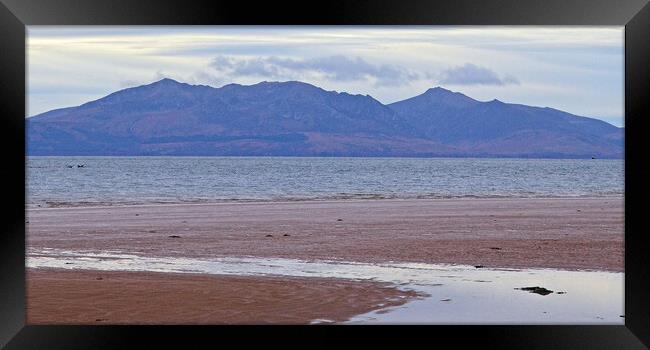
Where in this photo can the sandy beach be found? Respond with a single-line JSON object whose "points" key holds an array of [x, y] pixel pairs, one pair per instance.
{"points": [[102, 297], [567, 233]]}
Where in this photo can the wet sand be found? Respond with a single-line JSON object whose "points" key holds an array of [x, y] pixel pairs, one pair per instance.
{"points": [[566, 233], [101, 297]]}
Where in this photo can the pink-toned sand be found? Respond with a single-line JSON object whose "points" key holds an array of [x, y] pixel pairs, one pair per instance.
{"points": [[101, 297], [578, 233]]}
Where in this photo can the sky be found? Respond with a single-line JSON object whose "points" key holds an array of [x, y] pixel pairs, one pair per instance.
{"points": [[574, 69]]}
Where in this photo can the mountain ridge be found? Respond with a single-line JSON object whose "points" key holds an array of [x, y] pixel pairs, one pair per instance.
{"points": [[294, 118]]}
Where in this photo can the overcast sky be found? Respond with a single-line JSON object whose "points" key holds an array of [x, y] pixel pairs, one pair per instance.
{"points": [[575, 69]]}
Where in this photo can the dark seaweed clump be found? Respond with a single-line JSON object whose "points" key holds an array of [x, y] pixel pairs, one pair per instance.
{"points": [[537, 290]]}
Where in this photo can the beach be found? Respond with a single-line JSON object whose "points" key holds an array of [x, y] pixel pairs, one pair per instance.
{"points": [[489, 233], [103, 297], [571, 233]]}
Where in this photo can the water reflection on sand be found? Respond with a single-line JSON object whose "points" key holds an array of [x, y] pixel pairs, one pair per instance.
{"points": [[455, 293]]}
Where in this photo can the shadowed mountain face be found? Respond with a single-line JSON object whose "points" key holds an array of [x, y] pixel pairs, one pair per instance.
{"points": [[298, 119]]}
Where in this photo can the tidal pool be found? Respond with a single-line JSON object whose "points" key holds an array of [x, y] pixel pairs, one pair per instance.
{"points": [[455, 294]]}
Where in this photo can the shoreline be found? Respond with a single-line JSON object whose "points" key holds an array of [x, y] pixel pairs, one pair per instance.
{"points": [[93, 205], [378, 263]]}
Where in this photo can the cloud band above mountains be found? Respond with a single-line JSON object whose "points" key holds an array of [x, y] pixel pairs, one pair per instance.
{"points": [[470, 74], [345, 69], [334, 68]]}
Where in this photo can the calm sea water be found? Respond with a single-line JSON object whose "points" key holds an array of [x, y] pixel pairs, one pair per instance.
{"points": [[58, 181]]}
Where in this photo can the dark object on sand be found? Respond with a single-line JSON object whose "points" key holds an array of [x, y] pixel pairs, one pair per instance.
{"points": [[445, 299], [536, 290], [69, 166], [495, 248], [560, 292], [137, 214], [174, 236], [286, 235], [479, 266], [269, 236], [81, 165], [339, 219], [99, 278]]}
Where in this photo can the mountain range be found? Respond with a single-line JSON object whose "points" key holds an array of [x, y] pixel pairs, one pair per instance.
{"points": [[298, 119]]}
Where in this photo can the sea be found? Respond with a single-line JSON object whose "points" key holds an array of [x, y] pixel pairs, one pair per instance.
{"points": [[89, 181]]}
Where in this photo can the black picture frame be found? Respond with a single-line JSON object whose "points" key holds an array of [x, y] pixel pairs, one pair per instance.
{"points": [[16, 14]]}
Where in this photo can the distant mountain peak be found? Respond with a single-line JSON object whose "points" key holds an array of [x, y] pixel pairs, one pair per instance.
{"points": [[283, 83], [169, 83], [167, 87], [290, 85], [439, 90], [166, 81], [442, 92], [440, 95]]}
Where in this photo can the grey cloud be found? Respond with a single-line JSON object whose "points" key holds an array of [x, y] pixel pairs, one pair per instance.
{"points": [[336, 68], [470, 74], [255, 66], [203, 78]]}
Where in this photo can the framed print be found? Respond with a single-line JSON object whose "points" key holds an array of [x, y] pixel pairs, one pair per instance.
{"points": [[399, 170]]}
